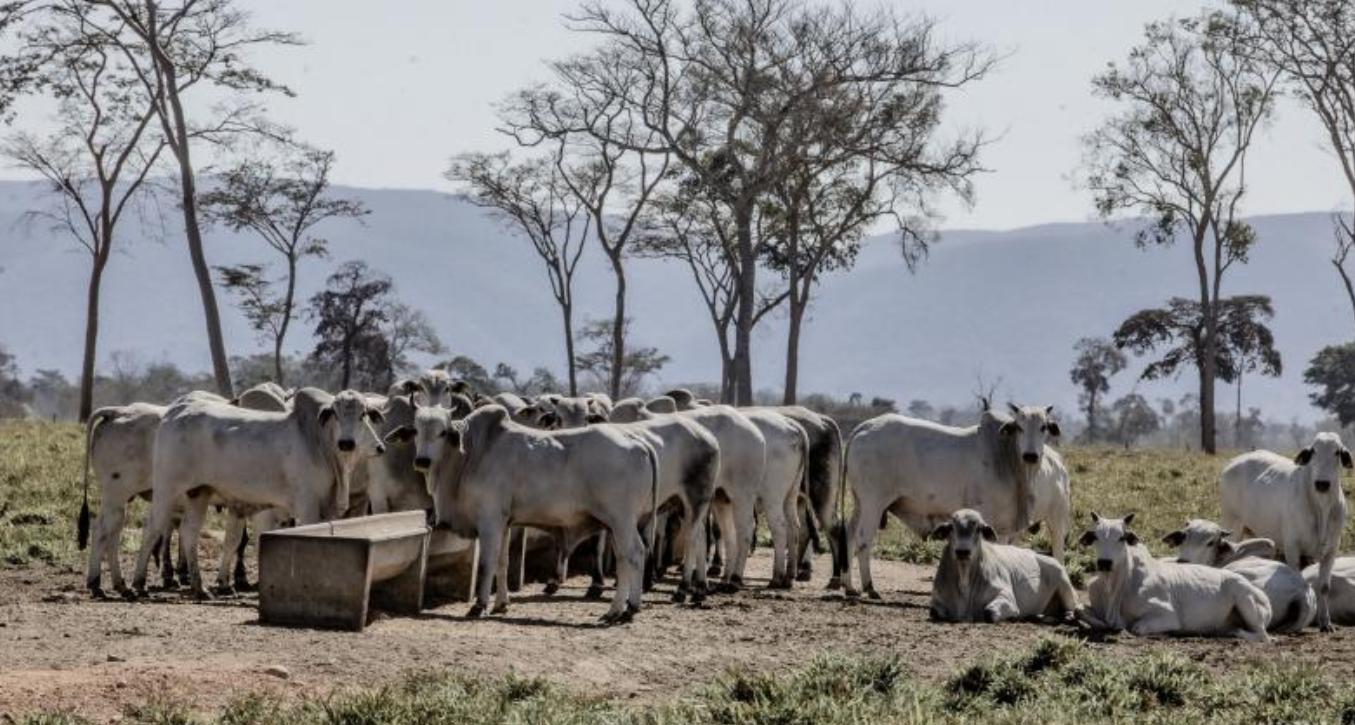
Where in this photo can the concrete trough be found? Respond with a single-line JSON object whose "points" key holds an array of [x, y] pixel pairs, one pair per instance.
{"points": [[331, 575]]}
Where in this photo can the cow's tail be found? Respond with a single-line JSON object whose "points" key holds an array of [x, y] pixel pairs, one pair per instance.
{"points": [[652, 535], [91, 428], [838, 532]]}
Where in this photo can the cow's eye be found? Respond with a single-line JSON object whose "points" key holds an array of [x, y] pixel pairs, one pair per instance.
{"points": [[443, 434], [1044, 427]]}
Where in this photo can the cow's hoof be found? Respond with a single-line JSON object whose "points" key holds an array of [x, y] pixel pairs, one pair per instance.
{"points": [[804, 574], [243, 585], [136, 592], [551, 589], [500, 608], [714, 570], [852, 593], [97, 593], [475, 611], [834, 584], [698, 598], [872, 594], [1328, 627], [729, 587], [202, 595], [679, 596], [170, 584], [594, 592], [223, 590]]}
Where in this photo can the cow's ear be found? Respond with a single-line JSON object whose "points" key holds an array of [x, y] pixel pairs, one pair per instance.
{"points": [[1087, 538], [1053, 429], [1304, 457], [326, 413], [235, 401], [548, 421], [1095, 517], [1015, 409], [1128, 519], [1131, 538], [941, 532], [1049, 410], [595, 418], [375, 416], [1175, 538], [413, 386], [402, 434], [1345, 459], [987, 533], [460, 387], [1010, 428]]}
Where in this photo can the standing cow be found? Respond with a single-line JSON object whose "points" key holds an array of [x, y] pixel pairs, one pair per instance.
{"points": [[300, 461], [486, 472], [922, 471], [1296, 503]]}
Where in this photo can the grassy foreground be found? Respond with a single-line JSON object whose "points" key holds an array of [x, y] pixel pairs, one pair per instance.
{"points": [[1059, 680]]}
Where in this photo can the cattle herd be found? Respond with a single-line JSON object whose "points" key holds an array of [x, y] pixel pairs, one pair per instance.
{"points": [[649, 484]]}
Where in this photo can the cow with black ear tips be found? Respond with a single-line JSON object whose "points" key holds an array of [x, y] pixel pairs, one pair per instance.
{"points": [[1298, 503], [1133, 591], [1293, 604], [979, 580]]}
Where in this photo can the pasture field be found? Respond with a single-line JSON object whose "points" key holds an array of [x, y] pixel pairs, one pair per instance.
{"points": [[804, 656]]}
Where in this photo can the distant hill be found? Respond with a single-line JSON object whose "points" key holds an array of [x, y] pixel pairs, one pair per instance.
{"points": [[1005, 305]]}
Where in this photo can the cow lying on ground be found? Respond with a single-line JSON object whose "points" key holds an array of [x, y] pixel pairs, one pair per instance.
{"points": [[979, 580], [1341, 602], [1135, 592], [1296, 503], [922, 471], [487, 471], [300, 461], [1292, 602]]}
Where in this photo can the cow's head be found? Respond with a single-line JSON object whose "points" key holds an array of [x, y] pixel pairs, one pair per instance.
{"points": [[435, 437], [682, 398], [1032, 426], [1323, 461], [1113, 539], [436, 385], [964, 534], [348, 421], [1201, 542]]}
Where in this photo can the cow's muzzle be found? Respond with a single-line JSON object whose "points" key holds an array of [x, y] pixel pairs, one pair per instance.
{"points": [[380, 450], [962, 554], [1104, 564], [423, 463], [1031, 458], [347, 445], [1322, 486]]}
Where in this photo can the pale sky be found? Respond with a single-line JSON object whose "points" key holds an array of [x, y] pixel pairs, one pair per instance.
{"points": [[397, 91]]}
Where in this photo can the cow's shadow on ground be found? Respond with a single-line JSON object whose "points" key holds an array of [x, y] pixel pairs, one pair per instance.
{"points": [[509, 619]]}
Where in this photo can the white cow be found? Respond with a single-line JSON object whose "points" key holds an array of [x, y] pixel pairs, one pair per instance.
{"points": [[784, 477], [743, 484], [1292, 602], [979, 580], [922, 472], [487, 471], [1296, 503], [1341, 601], [1133, 591], [119, 446], [300, 461]]}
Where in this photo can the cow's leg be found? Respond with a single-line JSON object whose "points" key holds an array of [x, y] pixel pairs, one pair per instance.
{"points": [[561, 562], [491, 550], [1001, 609], [694, 553], [745, 531], [716, 541], [630, 562], [781, 546], [195, 515], [723, 530], [1324, 592], [864, 529], [235, 534], [1156, 622], [240, 573], [166, 554], [157, 525], [806, 543], [793, 531], [112, 514], [501, 576]]}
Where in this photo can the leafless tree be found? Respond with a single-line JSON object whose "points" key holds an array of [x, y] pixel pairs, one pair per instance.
{"points": [[99, 158], [174, 49], [1189, 102], [1312, 42], [532, 198], [282, 203], [718, 82]]}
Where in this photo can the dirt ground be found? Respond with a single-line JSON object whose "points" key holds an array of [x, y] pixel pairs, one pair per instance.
{"points": [[60, 650]]}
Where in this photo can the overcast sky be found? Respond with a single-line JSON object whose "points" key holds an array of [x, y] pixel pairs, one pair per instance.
{"points": [[397, 91]]}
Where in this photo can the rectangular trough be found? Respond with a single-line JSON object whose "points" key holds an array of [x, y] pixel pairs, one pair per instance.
{"points": [[332, 574]]}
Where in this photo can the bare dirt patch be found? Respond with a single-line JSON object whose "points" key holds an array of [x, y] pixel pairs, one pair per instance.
{"points": [[59, 650]]}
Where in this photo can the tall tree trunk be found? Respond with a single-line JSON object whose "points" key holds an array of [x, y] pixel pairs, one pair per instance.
{"points": [[1237, 431], [567, 312], [797, 312], [1345, 280], [1091, 416], [618, 329], [96, 274], [288, 303], [743, 326], [176, 131], [1208, 366]]}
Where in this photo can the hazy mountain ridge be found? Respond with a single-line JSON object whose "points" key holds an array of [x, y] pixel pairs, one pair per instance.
{"points": [[1002, 305]]}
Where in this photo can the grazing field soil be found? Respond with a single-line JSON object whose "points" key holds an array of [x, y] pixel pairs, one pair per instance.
{"points": [[169, 660]]}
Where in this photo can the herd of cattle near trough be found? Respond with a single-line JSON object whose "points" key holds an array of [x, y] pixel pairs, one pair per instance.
{"points": [[678, 481]]}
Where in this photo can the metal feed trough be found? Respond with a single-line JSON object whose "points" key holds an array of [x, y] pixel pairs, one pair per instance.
{"points": [[331, 574]]}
